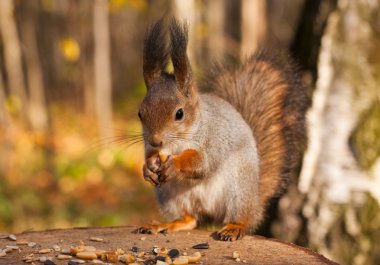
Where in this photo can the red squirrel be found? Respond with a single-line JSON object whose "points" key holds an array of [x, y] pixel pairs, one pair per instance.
{"points": [[219, 153]]}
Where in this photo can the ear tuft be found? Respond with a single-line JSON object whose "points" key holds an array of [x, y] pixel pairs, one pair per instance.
{"points": [[181, 65], [156, 52]]}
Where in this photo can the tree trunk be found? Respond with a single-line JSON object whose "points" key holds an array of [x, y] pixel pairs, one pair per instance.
{"points": [[252, 249], [341, 168], [253, 26], [102, 70], [216, 21], [12, 54], [38, 114], [3, 111], [185, 10]]}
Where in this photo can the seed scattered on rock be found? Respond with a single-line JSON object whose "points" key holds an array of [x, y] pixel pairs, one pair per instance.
{"points": [[7, 250], [56, 248], [173, 253], [237, 259], [13, 247], [45, 250], [134, 249], [161, 258], [235, 254], [32, 244], [12, 237], [62, 257], [149, 262], [96, 261], [2, 254], [96, 239], [143, 238], [181, 261], [86, 255], [49, 262], [71, 262], [77, 261], [21, 242], [195, 257], [160, 262], [65, 251], [201, 246]]}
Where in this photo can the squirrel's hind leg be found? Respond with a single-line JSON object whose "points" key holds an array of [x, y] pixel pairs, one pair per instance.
{"points": [[186, 223], [231, 232]]}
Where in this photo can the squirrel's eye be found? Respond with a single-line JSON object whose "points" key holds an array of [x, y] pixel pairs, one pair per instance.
{"points": [[139, 114], [179, 115]]}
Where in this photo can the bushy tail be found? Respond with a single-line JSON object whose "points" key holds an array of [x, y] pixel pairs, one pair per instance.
{"points": [[272, 100]]}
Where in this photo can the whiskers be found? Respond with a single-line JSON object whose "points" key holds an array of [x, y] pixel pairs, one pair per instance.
{"points": [[126, 139]]}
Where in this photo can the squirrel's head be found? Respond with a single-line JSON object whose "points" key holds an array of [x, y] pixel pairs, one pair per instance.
{"points": [[169, 108]]}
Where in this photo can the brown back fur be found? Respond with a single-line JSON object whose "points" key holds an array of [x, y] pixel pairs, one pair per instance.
{"points": [[270, 97]]}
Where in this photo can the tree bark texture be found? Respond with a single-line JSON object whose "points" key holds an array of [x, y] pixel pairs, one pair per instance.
{"points": [[252, 249], [341, 168], [13, 56]]}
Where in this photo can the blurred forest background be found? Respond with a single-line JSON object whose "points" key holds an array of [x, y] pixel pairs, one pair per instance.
{"points": [[70, 85]]}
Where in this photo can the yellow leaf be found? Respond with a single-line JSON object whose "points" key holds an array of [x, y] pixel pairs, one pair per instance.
{"points": [[70, 49]]}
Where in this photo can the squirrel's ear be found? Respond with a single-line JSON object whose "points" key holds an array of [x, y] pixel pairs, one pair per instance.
{"points": [[156, 53], [181, 65]]}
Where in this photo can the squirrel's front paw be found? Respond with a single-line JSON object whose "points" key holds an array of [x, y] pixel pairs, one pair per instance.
{"points": [[150, 176], [167, 170]]}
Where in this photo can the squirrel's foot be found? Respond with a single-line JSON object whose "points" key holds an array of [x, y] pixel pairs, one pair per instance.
{"points": [[151, 229], [187, 223], [231, 232]]}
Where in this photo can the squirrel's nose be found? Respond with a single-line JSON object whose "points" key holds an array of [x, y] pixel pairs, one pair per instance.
{"points": [[156, 141]]}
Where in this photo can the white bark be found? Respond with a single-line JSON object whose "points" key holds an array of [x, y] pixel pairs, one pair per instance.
{"points": [[12, 54]]}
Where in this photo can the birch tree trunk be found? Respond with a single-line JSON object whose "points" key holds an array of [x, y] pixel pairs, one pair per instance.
{"points": [[12, 55], [102, 70], [253, 26], [341, 168]]}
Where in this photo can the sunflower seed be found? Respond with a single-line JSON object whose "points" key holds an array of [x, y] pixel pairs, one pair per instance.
{"points": [[201, 246]]}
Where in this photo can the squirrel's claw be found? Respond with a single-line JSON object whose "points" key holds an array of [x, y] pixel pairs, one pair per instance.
{"points": [[231, 232], [150, 176], [167, 170]]}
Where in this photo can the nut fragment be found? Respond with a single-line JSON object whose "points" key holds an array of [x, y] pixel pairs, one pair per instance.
{"points": [[96, 239], [45, 250], [195, 257], [13, 247], [181, 261], [56, 247], [163, 157], [21, 242], [235, 254], [63, 257], [32, 244], [126, 258], [86, 255], [12, 237], [77, 261]]}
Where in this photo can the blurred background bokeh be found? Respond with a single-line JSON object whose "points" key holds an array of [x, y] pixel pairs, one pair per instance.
{"points": [[70, 85]]}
